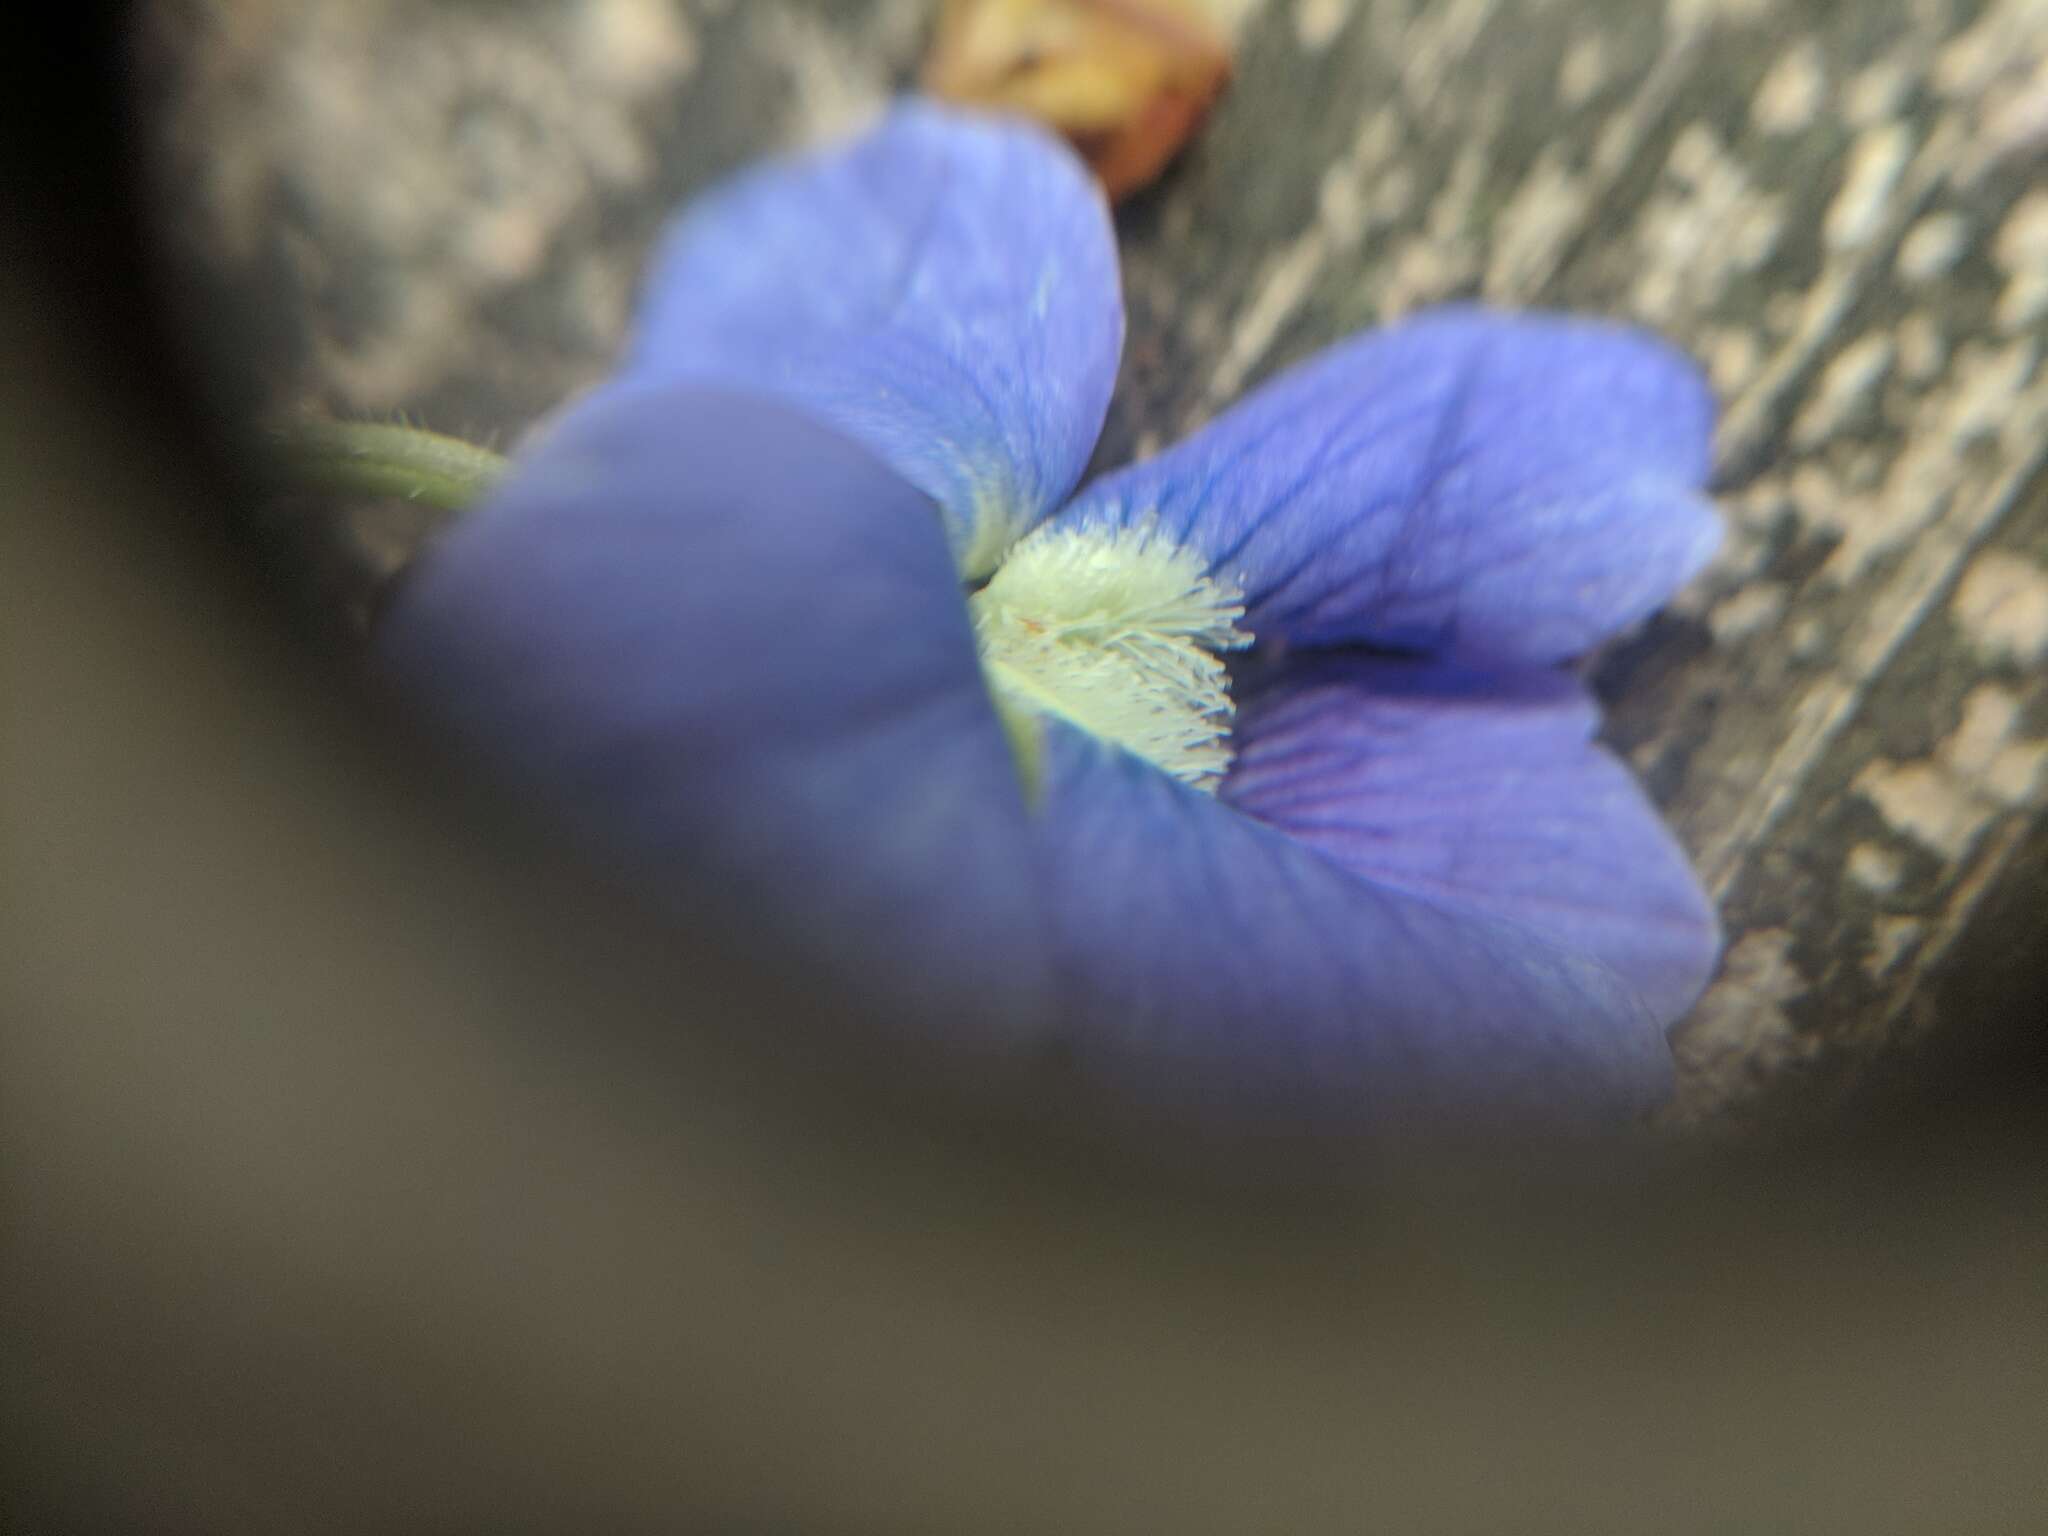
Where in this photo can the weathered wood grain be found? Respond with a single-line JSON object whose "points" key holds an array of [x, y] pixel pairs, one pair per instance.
{"points": [[440, 209]]}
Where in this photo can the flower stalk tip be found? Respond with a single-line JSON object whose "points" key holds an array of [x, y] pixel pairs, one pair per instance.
{"points": [[360, 458]]}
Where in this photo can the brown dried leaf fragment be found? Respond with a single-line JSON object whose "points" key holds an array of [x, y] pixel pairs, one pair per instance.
{"points": [[1126, 81]]}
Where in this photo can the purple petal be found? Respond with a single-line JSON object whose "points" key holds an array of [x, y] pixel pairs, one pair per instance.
{"points": [[1486, 485], [943, 290], [1222, 969], [731, 648], [1486, 793]]}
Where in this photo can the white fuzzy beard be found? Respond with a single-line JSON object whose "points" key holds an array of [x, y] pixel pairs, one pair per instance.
{"points": [[1116, 630]]}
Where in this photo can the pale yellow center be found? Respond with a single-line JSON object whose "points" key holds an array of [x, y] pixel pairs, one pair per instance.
{"points": [[1118, 631]]}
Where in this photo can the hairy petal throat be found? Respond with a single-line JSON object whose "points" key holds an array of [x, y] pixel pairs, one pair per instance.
{"points": [[1118, 631]]}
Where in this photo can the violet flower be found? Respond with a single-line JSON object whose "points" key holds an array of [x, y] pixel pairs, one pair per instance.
{"points": [[796, 616]]}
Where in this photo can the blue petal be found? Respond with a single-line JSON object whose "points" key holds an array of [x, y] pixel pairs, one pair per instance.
{"points": [[731, 648], [1222, 969], [944, 290], [1467, 483], [1484, 792]]}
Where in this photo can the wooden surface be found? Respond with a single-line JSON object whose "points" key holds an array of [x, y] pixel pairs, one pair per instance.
{"points": [[440, 209]]}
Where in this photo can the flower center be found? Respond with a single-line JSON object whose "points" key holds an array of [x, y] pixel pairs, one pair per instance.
{"points": [[1116, 630]]}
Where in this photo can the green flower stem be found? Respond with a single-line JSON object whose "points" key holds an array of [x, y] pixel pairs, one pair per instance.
{"points": [[357, 458], [1025, 732]]}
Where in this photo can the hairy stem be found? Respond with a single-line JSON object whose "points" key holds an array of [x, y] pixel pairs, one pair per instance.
{"points": [[370, 459]]}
